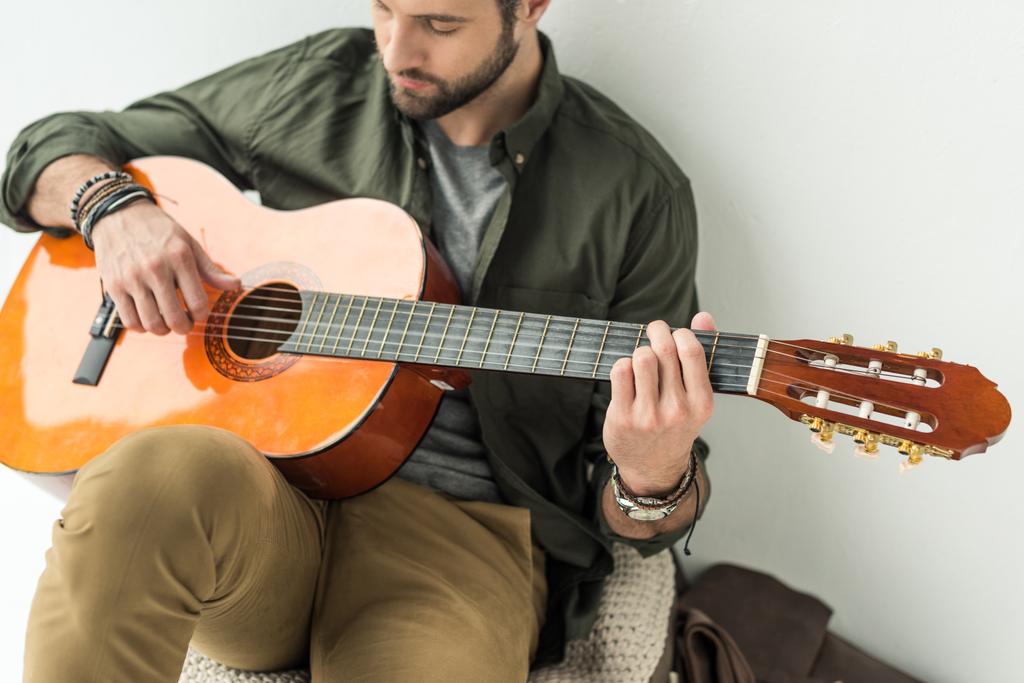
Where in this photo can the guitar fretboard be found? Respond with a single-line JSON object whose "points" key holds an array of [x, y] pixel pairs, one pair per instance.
{"points": [[473, 338]]}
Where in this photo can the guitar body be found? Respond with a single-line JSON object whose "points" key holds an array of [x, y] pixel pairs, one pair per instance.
{"points": [[334, 427]]}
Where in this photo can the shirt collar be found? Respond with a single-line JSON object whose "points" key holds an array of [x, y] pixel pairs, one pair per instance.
{"points": [[518, 140]]}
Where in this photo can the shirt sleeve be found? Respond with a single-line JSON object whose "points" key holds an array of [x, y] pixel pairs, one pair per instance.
{"points": [[212, 120], [656, 282]]}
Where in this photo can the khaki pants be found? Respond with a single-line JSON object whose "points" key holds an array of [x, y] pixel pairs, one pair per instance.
{"points": [[180, 534]]}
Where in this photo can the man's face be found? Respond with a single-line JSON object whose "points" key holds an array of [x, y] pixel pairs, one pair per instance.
{"points": [[441, 54]]}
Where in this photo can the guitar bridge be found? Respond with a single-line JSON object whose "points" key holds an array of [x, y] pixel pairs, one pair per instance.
{"points": [[103, 335]]}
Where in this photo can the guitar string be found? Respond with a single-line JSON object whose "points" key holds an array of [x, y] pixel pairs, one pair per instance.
{"points": [[737, 387], [464, 313], [553, 333], [425, 351], [632, 325], [569, 320], [552, 336], [589, 364]]}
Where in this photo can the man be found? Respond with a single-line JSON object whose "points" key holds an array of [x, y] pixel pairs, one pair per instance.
{"points": [[488, 551]]}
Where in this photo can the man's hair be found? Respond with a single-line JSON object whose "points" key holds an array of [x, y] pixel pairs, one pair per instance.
{"points": [[508, 12]]}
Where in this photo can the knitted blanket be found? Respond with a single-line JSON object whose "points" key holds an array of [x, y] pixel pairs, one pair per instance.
{"points": [[624, 647]]}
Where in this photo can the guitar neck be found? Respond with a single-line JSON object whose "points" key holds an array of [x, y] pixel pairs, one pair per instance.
{"points": [[473, 338]]}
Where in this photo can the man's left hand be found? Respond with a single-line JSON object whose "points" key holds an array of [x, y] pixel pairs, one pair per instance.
{"points": [[661, 398]]}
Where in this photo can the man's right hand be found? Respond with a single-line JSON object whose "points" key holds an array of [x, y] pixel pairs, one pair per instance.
{"points": [[144, 258]]}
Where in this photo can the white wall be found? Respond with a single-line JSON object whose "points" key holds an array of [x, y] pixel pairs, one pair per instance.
{"points": [[857, 167]]}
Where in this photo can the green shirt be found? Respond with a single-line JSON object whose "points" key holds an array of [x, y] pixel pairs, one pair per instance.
{"points": [[597, 222]]}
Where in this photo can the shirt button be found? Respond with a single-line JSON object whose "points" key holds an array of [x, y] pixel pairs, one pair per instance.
{"points": [[422, 163], [519, 158]]}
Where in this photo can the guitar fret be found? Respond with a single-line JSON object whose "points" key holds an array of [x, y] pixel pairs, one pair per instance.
{"points": [[514, 337], [341, 328], [444, 333], [490, 332], [312, 336], [369, 332], [469, 326], [391, 321], [330, 322], [568, 349], [547, 321], [713, 347], [639, 336], [426, 326], [405, 330], [355, 329], [600, 351], [305, 319]]}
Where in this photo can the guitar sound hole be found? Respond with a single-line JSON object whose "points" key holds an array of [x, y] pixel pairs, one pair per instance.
{"points": [[263, 320]]}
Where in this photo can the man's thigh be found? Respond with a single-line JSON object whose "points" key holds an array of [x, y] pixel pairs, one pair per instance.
{"points": [[175, 533], [419, 586]]}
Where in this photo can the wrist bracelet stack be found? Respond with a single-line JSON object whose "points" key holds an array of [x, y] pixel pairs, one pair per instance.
{"points": [[649, 502], [650, 509], [114, 190]]}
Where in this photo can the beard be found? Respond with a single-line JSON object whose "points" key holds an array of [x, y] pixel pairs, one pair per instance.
{"points": [[453, 94]]}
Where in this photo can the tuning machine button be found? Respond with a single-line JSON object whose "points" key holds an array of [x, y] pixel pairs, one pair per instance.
{"points": [[889, 346], [934, 354], [912, 453], [845, 340], [867, 444], [822, 434]]}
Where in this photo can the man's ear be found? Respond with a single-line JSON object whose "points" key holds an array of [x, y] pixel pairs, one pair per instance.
{"points": [[530, 11]]}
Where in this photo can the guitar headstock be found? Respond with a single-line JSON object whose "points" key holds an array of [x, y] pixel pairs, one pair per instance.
{"points": [[917, 403]]}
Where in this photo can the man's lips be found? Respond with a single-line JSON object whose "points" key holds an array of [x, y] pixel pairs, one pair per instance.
{"points": [[410, 84]]}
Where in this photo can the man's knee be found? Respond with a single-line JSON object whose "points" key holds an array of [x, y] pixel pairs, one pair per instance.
{"points": [[182, 464]]}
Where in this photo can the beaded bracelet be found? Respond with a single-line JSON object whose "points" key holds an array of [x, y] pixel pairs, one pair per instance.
{"points": [[94, 198], [89, 183], [117, 200]]}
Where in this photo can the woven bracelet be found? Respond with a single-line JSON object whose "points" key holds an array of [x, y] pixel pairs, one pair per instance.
{"points": [[93, 199], [89, 183]]}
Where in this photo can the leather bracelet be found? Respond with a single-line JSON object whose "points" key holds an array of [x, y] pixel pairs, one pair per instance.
{"points": [[651, 502], [117, 200]]}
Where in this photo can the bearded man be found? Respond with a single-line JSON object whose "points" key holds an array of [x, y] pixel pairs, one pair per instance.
{"points": [[489, 549]]}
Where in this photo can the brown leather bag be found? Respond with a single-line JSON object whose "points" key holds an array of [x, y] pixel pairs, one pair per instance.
{"points": [[736, 625]]}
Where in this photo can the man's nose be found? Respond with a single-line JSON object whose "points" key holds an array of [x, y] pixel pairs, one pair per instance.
{"points": [[403, 49]]}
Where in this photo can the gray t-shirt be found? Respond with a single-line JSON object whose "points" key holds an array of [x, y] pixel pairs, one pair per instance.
{"points": [[466, 190]]}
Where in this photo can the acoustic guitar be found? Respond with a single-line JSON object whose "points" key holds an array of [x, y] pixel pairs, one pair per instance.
{"points": [[332, 357]]}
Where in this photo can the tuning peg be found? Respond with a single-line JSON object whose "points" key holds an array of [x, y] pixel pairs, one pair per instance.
{"points": [[845, 340], [934, 354], [912, 453], [826, 445], [867, 444], [907, 466], [822, 436], [889, 346]]}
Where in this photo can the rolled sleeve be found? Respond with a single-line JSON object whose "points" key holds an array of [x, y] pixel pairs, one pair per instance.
{"points": [[656, 282]]}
